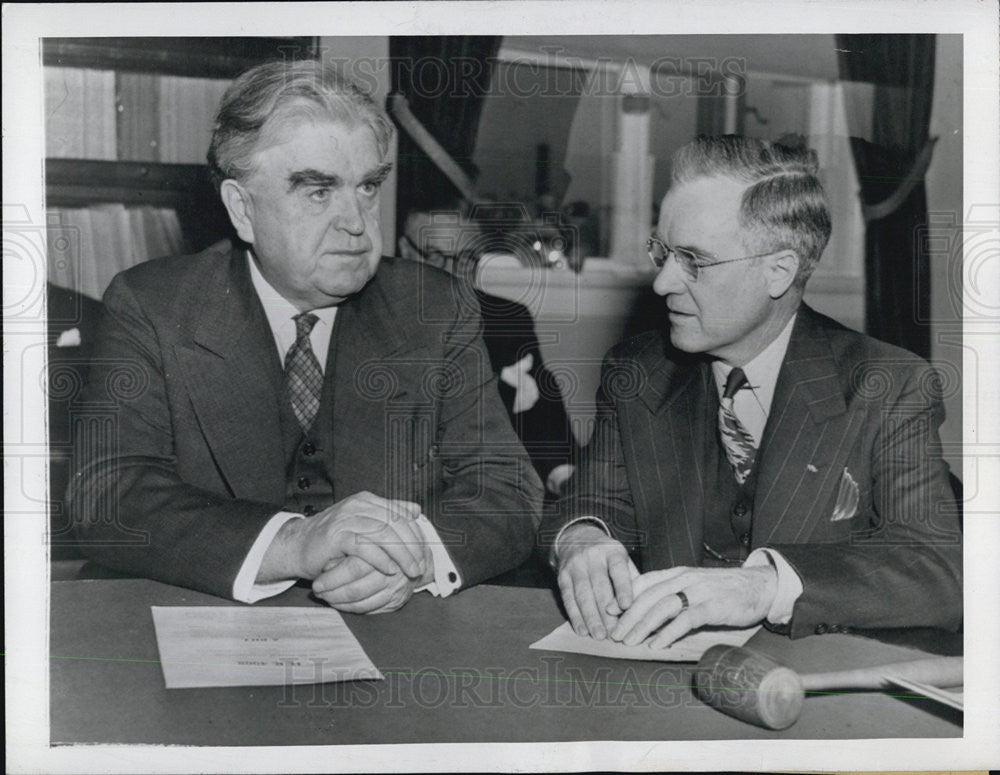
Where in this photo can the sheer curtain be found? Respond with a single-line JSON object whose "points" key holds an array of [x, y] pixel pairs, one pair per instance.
{"points": [[90, 245]]}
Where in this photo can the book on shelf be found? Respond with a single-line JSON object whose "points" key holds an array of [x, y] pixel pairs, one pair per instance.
{"points": [[106, 239], [80, 120]]}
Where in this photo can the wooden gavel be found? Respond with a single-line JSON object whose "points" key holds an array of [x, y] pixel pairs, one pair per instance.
{"points": [[754, 688]]}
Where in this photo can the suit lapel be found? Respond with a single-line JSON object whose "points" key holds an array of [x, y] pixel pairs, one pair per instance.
{"points": [[670, 487], [233, 373], [367, 334], [806, 440]]}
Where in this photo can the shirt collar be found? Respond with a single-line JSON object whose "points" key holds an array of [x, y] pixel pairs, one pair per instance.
{"points": [[762, 371], [279, 310]]}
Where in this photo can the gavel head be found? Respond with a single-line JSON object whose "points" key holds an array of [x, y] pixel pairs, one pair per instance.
{"points": [[749, 686]]}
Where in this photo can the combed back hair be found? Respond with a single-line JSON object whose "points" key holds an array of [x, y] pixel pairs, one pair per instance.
{"points": [[268, 96], [784, 205]]}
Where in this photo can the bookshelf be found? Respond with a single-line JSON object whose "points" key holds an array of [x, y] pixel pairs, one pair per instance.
{"points": [[127, 126], [196, 57], [128, 120]]}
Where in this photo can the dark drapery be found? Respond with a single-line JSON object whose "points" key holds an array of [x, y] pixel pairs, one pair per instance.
{"points": [[444, 78], [890, 162]]}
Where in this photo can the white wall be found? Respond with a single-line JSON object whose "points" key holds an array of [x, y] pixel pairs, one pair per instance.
{"points": [[526, 106], [578, 318]]}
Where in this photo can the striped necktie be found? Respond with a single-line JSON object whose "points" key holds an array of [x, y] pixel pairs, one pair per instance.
{"points": [[738, 443], [303, 375]]}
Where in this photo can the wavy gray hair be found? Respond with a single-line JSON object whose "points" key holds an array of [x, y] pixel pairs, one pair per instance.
{"points": [[784, 205], [266, 97]]}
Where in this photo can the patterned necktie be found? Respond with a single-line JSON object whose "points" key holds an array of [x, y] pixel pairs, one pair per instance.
{"points": [[303, 376], [738, 443]]}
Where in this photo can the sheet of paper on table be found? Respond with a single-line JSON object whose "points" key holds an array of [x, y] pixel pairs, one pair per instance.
{"points": [[267, 646], [687, 649]]}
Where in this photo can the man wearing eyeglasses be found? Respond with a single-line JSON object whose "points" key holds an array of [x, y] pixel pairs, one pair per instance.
{"points": [[767, 465], [448, 240]]}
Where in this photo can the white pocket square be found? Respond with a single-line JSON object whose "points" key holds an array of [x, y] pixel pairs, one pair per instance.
{"points": [[526, 390], [847, 498], [69, 338]]}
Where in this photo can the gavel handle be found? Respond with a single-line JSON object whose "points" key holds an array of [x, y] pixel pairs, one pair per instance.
{"points": [[937, 671]]}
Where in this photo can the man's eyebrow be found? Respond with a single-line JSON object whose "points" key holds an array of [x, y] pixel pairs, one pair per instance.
{"points": [[379, 174], [698, 252], [311, 177]]}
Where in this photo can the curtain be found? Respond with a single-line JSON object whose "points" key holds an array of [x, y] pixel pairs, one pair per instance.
{"points": [[88, 246], [445, 79], [891, 149]]}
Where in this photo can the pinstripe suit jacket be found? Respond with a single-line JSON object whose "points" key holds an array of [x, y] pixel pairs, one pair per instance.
{"points": [[187, 463], [843, 401]]}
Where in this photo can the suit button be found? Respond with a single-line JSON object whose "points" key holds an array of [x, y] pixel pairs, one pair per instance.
{"points": [[745, 539], [434, 451], [821, 629], [304, 483], [308, 449], [740, 510], [309, 510]]}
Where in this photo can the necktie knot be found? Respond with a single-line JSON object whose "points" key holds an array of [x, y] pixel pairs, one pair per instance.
{"points": [[735, 382], [304, 323]]}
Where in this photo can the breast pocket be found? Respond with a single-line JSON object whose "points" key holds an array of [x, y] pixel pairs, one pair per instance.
{"points": [[847, 511]]}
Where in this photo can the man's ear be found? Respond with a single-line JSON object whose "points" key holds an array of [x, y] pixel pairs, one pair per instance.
{"points": [[240, 208], [780, 272]]}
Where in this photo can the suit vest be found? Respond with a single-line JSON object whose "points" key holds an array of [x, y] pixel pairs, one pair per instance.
{"points": [[309, 455]]}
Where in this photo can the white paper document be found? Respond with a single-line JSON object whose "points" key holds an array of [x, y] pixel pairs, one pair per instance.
{"points": [[266, 646], [687, 649]]}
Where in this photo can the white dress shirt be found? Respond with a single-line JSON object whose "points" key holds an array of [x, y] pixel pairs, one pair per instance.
{"points": [[280, 314], [752, 405]]}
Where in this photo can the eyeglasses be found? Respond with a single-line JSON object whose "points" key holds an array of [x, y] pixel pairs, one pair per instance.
{"points": [[658, 252]]}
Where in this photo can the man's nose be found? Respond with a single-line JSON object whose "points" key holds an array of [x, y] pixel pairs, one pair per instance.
{"points": [[670, 278], [349, 216]]}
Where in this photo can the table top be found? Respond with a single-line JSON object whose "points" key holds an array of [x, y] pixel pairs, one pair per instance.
{"points": [[456, 670]]}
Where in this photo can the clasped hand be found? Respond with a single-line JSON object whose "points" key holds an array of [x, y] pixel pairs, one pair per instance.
{"points": [[364, 554], [605, 596]]}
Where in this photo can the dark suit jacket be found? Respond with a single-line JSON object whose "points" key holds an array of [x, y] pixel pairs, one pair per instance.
{"points": [[184, 464], [68, 365], [842, 401]]}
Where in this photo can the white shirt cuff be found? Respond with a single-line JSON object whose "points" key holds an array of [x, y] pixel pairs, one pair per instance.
{"points": [[555, 544], [446, 575], [245, 588], [789, 583]]}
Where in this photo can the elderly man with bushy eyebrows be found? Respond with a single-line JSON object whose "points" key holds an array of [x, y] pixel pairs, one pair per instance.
{"points": [[293, 414]]}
